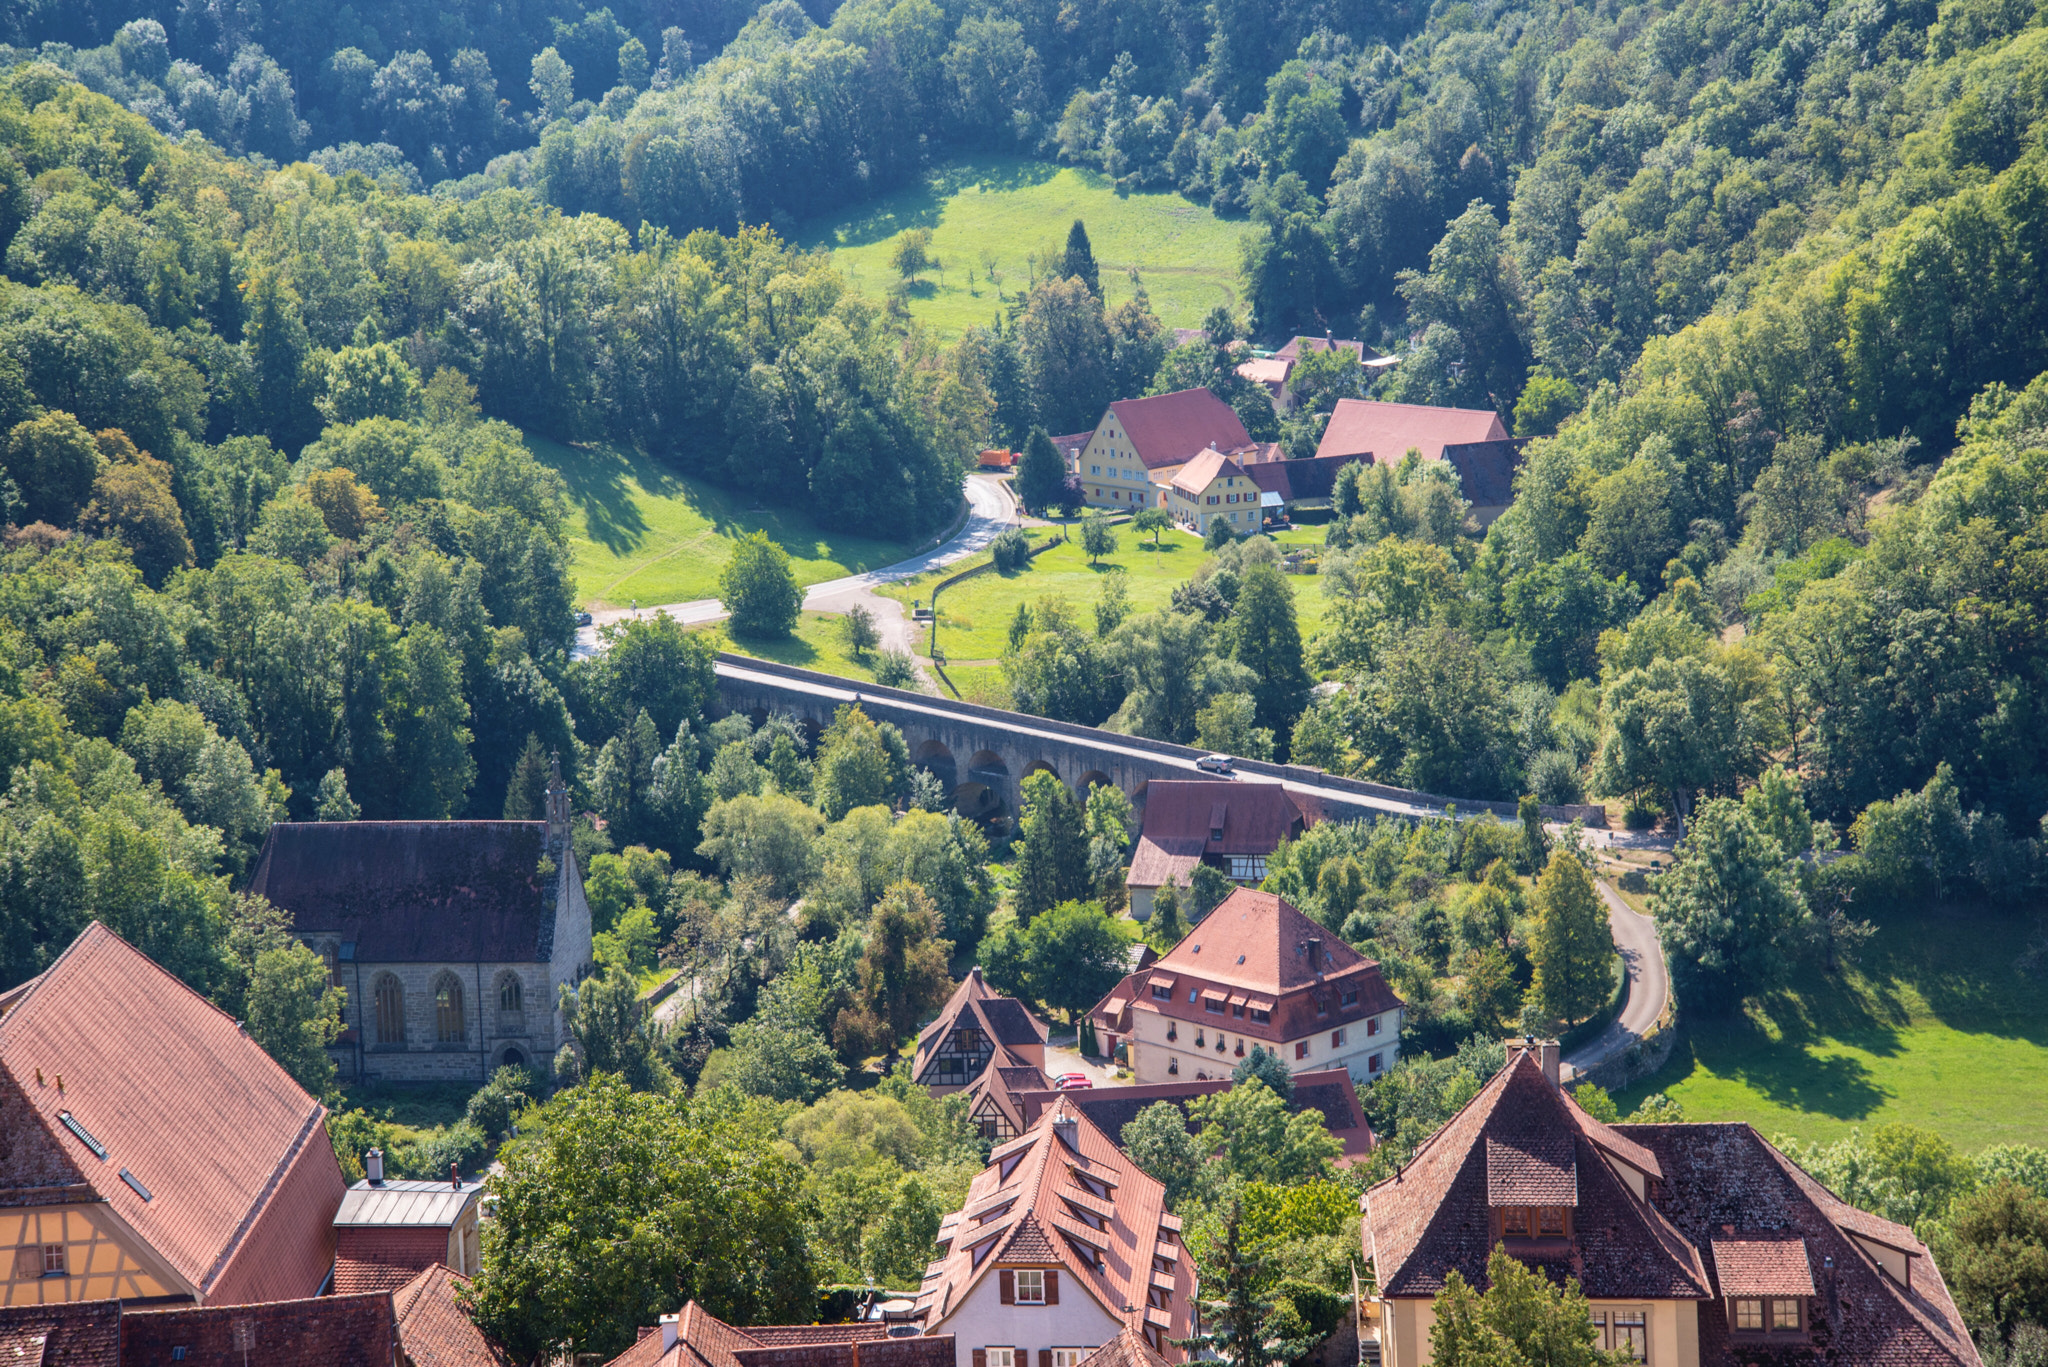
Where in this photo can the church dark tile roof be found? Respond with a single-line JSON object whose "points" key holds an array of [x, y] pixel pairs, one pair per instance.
{"points": [[415, 891]]}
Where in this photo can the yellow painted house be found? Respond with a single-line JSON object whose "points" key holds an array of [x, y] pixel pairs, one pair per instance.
{"points": [[150, 1151]]}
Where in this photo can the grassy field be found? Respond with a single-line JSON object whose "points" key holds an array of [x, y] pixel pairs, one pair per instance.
{"points": [[1006, 208], [640, 531], [974, 617], [817, 645], [1936, 1028]]}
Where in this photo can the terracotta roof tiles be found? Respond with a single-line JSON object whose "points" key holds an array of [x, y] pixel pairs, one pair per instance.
{"points": [[1762, 1267], [433, 1328], [68, 1334], [241, 1181], [1388, 431], [332, 1331], [1171, 429]]}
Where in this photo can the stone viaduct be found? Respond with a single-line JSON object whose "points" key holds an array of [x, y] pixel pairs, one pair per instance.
{"points": [[982, 754]]}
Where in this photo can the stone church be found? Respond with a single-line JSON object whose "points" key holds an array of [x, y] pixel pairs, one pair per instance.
{"points": [[453, 939]]}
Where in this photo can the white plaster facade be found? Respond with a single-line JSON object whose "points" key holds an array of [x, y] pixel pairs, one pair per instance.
{"points": [[981, 1320], [1371, 1046]]}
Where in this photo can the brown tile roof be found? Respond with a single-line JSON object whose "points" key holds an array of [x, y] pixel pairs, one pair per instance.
{"points": [[1170, 429], [1035, 1174], [997, 1087], [433, 1328], [241, 1181], [1724, 1182], [1486, 470], [878, 1350], [1159, 858], [1204, 470], [1256, 817], [71, 1334], [332, 1331], [1127, 1349], [1329, 1092], [1271, 937], [1299, 480], [1387, 431], [1298, 345], [1435, 1214], [1762, 1267], [1005, 1020], [415, 891], [1536, 1167], [801, 1335], [1267, 370]]}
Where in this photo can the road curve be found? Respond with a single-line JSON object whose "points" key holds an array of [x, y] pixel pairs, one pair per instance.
{"points": [[1649, 986], [991, 511]]}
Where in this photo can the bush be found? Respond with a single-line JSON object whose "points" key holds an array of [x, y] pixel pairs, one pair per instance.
{"points": [[462, 1145], [1011, 551], [1554, 778], [894, 670], [1635, 881], [1218, 536]]}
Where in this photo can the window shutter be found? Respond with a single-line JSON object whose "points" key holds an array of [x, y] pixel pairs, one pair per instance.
{"points": [[1052, 1293], [981, 1357], [1007, 1282], [1045, 1357]]}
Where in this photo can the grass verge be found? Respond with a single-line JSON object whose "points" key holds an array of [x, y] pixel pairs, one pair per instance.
{"points": [[975, 616], [1935, 1027], [816, 644], [1002, 208], [640, 531]]}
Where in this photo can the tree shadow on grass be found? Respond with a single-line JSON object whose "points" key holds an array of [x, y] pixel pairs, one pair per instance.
{"points": [[1781, 1067], [599, 480], [924, 204]]}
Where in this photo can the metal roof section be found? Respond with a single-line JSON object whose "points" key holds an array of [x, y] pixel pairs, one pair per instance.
{"points": [[413, 1204]]}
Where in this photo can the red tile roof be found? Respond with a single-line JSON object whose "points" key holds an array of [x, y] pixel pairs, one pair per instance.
{"points": [[1762, 1267], [241, 1181], [1040, 1174], [1006, 1021], [704, 1340], [332, 1331], [1328, 1091], [1388, 431], [1171, 429], [67, 1334], [433, 1328], [414, 891], [1256, 817], [382, 1258], [1127, 1349]]}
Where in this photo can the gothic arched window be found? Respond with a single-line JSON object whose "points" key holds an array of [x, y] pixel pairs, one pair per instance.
{"points": [[390, 1010], [449, 1025]]}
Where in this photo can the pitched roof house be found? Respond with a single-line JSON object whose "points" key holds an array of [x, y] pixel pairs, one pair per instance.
{"points": [[387, 1232], [1227, 825], [1255, 971], [1213, 488], [977, 1028], [433, 1328], [149, 1149], [1695, 1244], [453, 938], [1139, 444], [1059, 1233], [1329, 1092], [694, 1337]]}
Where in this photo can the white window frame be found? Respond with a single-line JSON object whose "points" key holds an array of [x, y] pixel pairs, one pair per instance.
{"points": [[1036, 1279], [1001, 1357], [1069, 1357]]}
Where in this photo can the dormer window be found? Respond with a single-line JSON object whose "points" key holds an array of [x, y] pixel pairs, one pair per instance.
{"points": [[1535, 1222], [1162, 994]]}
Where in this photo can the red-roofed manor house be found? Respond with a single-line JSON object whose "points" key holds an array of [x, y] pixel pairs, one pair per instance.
{"points": [[1141, 443], [452, 938], [1254, 972]]}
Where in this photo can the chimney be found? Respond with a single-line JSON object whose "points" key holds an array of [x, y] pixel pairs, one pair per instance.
{"points": [[1545, 1050], [669, 1325], [454, 1177], [373, 1167]]}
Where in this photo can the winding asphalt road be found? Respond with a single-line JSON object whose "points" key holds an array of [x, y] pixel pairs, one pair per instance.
{"points": [[991, 512], [1649, 986]]}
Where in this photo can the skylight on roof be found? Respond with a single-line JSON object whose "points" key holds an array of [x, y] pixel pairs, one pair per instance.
{"points": [[99, 1150], [135, 1184]]}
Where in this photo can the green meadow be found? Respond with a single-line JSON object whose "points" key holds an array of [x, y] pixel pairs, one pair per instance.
{"points": [[1000, 210], [640, 531], [1937, 1026]]}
